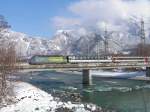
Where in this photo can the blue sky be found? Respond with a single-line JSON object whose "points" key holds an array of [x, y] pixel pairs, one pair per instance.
{"points": [[33, 17], [43, 17]]}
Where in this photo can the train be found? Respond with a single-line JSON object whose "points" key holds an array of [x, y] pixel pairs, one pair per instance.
{"points": [[48, 59], [59, 59]]}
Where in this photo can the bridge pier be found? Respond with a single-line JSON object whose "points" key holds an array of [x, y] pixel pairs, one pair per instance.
{"points": [[147, 71], [86, 77]]}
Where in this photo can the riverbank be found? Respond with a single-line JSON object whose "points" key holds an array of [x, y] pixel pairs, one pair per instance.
{"points": [[29, 98], [62, 88]]}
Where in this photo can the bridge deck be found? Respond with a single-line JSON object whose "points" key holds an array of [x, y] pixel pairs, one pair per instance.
{"points": [[81, 66]]}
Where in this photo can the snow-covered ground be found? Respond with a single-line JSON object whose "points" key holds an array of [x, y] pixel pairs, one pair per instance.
{"points": [[31, 99], [110, 73], [119, 74]]}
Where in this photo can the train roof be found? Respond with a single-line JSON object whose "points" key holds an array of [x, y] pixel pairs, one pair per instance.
{"points": [[48, 55]]}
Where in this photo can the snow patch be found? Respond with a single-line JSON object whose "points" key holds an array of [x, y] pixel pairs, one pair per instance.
{"points": [[31, 99], [117, 74]]}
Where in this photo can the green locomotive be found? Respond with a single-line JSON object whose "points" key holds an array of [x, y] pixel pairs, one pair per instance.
{"points": [[48, 59]]}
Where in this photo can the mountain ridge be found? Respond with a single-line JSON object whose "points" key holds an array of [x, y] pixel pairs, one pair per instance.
{"points": [[69, 42]]}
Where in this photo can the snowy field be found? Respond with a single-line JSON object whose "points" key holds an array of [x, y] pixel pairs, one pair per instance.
{"points": [[118, 74], [31, 99]]}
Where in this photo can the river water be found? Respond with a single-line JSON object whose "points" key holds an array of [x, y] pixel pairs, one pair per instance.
{"points": [[121, 95]]}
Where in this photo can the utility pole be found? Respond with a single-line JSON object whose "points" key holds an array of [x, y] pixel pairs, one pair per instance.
{"points": [[106, 42], [142, 37], [98, 48], [88, 50], [98, 45]]}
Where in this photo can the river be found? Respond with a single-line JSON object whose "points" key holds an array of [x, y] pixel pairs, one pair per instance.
{"points": [[121, 94]]}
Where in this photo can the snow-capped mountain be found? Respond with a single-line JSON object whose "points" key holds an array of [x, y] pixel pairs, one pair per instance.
{"points": [[26, 45], [69, 42]]}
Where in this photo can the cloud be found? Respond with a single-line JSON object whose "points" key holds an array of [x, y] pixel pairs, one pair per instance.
{"points": [[99, 9], [64, 23], [93, 13]]}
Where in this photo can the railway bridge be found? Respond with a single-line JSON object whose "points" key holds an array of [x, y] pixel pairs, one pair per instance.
{"points": [[85, 65]]}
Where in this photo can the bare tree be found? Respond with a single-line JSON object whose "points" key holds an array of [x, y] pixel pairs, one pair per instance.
{"points": [[7, 68]]}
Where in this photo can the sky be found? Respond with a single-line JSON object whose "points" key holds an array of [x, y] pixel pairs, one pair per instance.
{"points": [[33, 16], [44, 17]]}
